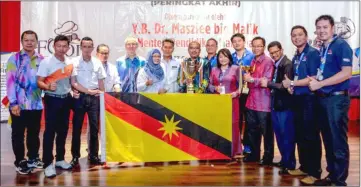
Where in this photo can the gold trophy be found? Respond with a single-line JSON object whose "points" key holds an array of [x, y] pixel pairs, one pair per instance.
{"points": [[190, 69], [247, 69]]}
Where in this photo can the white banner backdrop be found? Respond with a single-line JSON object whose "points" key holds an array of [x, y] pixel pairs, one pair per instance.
{"points": [[152, 21]]}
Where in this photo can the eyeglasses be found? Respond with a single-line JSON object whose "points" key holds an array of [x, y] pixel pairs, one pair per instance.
{"points": [[104, 53], [274, 52]]}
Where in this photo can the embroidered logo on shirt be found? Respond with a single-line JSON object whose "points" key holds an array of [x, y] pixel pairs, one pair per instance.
{"points": [[346, 60], [329, 52], [304, 58]]}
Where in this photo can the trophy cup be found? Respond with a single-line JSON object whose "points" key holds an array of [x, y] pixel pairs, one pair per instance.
{"points": [[190, 70], [247, 69]]}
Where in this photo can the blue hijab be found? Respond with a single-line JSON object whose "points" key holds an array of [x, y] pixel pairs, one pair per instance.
{"points": [[155, 71]]}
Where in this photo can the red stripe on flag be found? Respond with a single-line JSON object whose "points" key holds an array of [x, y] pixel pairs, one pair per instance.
{"points": [[151, 126]]}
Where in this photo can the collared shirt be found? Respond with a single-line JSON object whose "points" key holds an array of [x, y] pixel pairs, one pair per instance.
{"points": [[48, 66], [88, 73], [339, 55], [199, 86], [307, 67], [171, 70], [246, 59], [112, 76], [259, 98], [127, 70], [142, 78], [212, 61], [21, 83]]}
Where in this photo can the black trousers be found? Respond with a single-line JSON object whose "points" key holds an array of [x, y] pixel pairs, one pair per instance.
{"points": [[333, 116], [57, 111], [91, 105], [242, 113], [258, 125], [29, 120], [307, 135]]}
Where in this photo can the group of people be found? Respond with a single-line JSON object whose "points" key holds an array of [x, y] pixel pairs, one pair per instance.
{"points": [[294, 99]]}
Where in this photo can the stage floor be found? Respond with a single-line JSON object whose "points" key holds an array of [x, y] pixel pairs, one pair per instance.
{"points": [[159, 174]]}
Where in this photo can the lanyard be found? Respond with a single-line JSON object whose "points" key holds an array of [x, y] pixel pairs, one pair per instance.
{"points": [[276, 69], [239, 61], [298, 62], [324, 54]]}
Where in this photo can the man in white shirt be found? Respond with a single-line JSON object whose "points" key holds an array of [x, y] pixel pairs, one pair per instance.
{"points": [[112, 81], [170, 67], [88, 78], [53, 77]]}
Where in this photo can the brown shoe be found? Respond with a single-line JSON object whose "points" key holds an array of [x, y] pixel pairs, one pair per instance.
{"points": [[309, 180], [297, 172]]}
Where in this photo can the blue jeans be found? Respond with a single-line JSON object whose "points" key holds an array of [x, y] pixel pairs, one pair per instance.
{"points": [[283, 126]]}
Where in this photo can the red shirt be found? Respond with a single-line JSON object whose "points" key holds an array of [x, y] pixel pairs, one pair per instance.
{"points": [[259, 99]]}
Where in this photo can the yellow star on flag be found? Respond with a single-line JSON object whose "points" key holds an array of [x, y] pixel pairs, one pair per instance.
{"points": [[169, 127]]}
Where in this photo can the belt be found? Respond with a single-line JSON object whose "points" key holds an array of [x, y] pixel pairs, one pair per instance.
{"points": [[321, 94], [57, 95]]}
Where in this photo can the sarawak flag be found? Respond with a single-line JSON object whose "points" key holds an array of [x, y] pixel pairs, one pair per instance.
{"points": [[143, 127]]}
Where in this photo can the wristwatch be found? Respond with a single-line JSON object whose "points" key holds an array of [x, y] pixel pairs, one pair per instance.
{"points": [[252, 80]]}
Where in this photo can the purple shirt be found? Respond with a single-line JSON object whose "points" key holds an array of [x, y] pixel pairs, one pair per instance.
{"points": [[259, 98], [21, 83]]}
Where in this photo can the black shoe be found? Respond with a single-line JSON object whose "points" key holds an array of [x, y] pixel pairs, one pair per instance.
{"points": [[277, 164], [74, 162], [323, 182], [249, 159], [22, 168], [283, 171], [264, 162], [94, 160]]}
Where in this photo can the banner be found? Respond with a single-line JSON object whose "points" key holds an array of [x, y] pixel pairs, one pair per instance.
{"points": [[4, 109], [110, 22], [166, 127]]}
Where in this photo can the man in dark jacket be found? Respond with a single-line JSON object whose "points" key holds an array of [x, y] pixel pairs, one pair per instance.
{"points": [[281, 113]]}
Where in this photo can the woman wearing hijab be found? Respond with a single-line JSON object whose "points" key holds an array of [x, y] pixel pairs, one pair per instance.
{"points": [[224, 79], [151, 77]]}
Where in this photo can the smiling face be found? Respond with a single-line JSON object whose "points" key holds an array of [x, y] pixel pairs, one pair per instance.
{"points": [[324, 30], [298, 37]]}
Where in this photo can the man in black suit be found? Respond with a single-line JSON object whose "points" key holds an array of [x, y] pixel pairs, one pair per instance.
{"points": [[281, 113]]}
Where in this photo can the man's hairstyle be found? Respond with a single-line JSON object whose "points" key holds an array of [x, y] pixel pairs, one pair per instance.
{"points": [[194, 42], [274, 43], [226, 53], [299, 27], [238, 35], [101, 45], [326, 17], [213, 40], [86, 38], [169, 41], [29, 32], [61, 38], [259, 38]]}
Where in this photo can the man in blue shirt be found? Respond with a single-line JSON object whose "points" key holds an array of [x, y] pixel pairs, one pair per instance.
{"points": [[331, 85], [305, 64], [242, 56], [128, 66]]}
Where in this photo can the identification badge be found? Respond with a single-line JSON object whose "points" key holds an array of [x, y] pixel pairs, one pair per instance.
{"points": [[222, 90], [319, 75], [62, 70], [296, 78]]}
